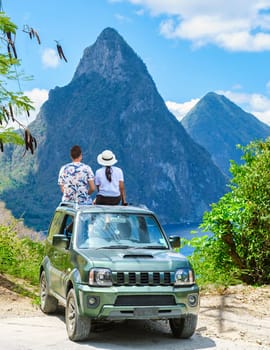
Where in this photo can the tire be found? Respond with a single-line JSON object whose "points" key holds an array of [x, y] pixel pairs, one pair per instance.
{"points": [[183, 327], [48, 304], [78, 327]]}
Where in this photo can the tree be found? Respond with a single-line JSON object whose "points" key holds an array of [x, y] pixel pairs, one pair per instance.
{"points": [[240, 221], [12, 103]]}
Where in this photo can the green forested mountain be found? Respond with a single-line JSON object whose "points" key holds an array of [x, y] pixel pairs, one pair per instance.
{"points": [[112, 103], [219, 125]]}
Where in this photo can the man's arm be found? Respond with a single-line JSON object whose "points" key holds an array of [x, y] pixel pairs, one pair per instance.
{"points": [[60, 179], [91, 187]]}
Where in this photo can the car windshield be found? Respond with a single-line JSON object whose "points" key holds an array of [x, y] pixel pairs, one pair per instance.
{"points": [[112, 231]]}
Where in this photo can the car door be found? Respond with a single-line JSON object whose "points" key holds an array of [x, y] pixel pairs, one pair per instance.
{"points": [[59, 254]]}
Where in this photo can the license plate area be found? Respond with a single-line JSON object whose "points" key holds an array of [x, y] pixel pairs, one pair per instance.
{"points": [[146, 312]]}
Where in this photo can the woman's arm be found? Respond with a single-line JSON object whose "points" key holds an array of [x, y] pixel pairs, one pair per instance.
{"points": [[122, 192]]}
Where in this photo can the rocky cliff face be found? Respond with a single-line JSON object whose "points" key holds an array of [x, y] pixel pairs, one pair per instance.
{"points": [[219, 125], [112, 103]]}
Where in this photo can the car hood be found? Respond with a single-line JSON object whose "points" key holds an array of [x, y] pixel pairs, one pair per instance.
{"points": [[134, 259]]}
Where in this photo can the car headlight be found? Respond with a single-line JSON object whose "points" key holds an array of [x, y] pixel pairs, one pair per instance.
{"points": [[100, 277], [184, 277]]}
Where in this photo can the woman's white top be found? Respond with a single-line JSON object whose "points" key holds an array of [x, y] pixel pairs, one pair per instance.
{"points": [[107, 188]]}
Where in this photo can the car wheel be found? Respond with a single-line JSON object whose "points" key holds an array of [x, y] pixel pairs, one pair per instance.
{"points": [[48, 304], [184, 327], [78, 327]]}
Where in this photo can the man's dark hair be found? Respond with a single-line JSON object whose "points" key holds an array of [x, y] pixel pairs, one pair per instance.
{"points": [[75, 152]]}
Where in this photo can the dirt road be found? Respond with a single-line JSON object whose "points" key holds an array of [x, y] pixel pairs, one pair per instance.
{"points": [[237, 320], [48, 332]]}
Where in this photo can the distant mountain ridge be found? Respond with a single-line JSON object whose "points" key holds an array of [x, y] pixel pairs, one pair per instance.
{"points": [[219, 125], [112, 103]]}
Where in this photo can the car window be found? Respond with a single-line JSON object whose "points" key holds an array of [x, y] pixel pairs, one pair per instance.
{"points": [[110, 229], [62, 223], [68, 225], [56, 224]]}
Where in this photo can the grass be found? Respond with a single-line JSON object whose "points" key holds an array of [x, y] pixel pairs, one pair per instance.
{"points": [[20, 258]]}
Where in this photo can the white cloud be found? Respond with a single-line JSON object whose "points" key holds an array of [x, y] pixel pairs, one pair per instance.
{"points": [[179, 110], [38, 97], [50, 58], [263, 116], [140, 12], [241, 26], [122, 18]]}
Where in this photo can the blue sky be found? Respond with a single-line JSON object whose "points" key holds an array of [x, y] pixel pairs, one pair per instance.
{"points": [[190, 47]]}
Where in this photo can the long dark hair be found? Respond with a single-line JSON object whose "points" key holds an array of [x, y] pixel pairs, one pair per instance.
{"points": [[108, 173]]}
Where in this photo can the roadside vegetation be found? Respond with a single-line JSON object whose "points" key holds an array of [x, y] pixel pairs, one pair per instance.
{"points": [[20, 256], [239, 249]]}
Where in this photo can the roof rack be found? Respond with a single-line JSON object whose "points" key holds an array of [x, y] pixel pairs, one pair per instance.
{"points": [[75, 205]]}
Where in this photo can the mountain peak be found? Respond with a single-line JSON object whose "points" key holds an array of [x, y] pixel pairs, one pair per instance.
{"points": [[109, 33], [219, 125], [211, 94], [212, 97], [110, 57]]}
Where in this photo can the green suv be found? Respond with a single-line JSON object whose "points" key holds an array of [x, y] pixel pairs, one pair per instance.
{"points": [[106, 263]]}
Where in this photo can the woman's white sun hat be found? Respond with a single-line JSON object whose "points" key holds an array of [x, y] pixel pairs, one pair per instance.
{"points": [[106, 158]]}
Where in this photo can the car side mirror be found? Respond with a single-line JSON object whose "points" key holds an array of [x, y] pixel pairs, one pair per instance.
{"points": [[175, 241], [61, 241]]}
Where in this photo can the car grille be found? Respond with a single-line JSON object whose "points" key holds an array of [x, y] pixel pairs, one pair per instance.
{"points": [[145, 300], [143, 278]]}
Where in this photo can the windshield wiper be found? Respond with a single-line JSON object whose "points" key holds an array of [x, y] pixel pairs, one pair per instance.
{"points": [[119, 246], [153, 247]]}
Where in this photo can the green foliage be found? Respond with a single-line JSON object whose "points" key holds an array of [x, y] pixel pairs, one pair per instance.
{"points": [[9, 136], [20, 256], [6, 25], [205, 258], [240, 223], [11, 102]]}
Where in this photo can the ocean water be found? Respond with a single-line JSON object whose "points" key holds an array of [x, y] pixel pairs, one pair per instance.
{"points": [[184, 231]]}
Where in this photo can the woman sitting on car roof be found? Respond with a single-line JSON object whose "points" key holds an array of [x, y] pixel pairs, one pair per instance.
{"points": [[109, 181]]}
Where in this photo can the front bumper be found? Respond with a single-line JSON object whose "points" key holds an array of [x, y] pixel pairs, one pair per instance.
{"points": [[144, 302]]}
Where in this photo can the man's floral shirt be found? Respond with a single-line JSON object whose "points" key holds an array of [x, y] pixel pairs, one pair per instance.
{"points": [[75, 179]]}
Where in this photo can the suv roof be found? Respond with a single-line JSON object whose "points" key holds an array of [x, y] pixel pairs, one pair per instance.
{"points": [[74, 207]]}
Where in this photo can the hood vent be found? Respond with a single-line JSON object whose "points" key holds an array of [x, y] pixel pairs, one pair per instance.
{"points": [[135, 256]]}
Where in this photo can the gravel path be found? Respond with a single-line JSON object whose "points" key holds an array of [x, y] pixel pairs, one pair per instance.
{"points": [[237, 320]]}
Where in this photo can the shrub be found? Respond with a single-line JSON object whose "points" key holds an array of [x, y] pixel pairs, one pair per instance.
{"points": [[240, 223], [20, 257]]}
